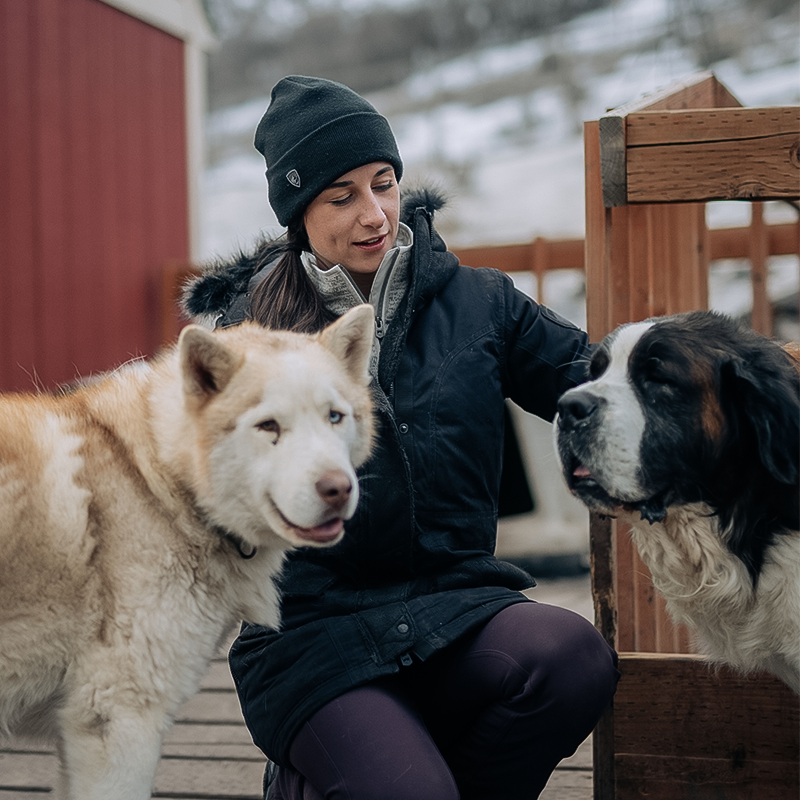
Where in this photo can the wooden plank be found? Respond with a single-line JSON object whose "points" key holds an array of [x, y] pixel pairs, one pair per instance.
{"points": [[782, 239], [644, 619], [564, 253], [683, 729], [662, 260], [625, 588], [27, 771], [199, 733], [640, 257], [217, 751], [597, 242], [700, 779], [604, 782], [761, 316], [764, 167], [690, 264], [648, 128], [507, 257], [211, 707], [208, 779], [619, 265]]}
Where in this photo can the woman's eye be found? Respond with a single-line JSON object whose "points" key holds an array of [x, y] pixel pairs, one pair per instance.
{"points": [[272, 427], [335, 417], [340, 201], [384, 187]]}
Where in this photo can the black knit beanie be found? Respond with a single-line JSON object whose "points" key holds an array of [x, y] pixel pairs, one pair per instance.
{"points": [[313, 132]]}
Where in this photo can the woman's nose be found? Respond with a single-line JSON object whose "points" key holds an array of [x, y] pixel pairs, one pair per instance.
{"points": [[372, 214]]}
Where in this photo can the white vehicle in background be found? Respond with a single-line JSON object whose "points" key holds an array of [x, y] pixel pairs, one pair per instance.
{"points": [[552, 538]]}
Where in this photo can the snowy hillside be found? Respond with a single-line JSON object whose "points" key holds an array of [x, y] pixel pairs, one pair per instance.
{"points": [[500, 130]]}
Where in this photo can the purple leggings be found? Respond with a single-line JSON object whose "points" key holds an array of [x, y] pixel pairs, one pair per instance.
{"points": [[489, 717]]}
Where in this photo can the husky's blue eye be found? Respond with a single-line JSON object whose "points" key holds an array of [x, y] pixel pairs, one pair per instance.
{"points": [[335, 417]]}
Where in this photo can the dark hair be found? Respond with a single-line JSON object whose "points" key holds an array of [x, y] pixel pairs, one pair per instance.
{"points": [[287, 299]]}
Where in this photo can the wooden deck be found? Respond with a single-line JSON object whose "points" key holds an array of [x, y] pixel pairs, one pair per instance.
{"points": [[208, 754]]}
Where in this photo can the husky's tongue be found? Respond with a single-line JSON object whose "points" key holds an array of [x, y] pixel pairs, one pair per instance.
{"points": [[581, 472], [322, 533]]}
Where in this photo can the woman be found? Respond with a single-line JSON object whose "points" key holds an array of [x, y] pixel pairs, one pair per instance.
{"points": [[409, 665]]}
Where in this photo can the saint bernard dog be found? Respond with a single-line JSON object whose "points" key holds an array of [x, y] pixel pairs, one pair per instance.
{"points": [[688, 429]]}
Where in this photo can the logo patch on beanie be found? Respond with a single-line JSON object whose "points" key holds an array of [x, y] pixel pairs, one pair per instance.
{"points": [[293, 176]]}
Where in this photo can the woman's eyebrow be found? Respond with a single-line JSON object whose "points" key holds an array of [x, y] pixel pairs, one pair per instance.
{"points": [[337, 185], [342, 184]]}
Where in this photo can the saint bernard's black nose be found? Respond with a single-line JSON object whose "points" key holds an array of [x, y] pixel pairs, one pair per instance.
{"points": [[575, 409]]}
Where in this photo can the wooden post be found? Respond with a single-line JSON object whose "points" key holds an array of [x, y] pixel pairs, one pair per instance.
{"points": [[761, 319], [644, 257]]}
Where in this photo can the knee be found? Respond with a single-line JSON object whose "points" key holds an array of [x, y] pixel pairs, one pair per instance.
{"points": [[565, 656], [581, 667]]}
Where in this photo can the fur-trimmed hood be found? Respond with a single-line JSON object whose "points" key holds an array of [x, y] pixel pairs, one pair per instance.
{"points": [[225, 279]]}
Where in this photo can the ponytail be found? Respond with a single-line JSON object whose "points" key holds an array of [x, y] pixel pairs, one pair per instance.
{"points": [[287, 299]]}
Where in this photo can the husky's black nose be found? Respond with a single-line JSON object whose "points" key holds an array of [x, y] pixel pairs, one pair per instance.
{"points": [[576, 408]]}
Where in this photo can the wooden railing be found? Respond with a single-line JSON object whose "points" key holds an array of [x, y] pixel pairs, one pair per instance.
{"points": [[756, 242]]}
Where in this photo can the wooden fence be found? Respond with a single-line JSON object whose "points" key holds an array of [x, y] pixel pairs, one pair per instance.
{"points": [[756, 243]]}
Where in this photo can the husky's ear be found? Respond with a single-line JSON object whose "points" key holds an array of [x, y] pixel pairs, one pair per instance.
{"points": [[206, 363], [350, 339], [766, 392]]}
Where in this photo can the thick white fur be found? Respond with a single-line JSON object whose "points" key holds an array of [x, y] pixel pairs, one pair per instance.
{"points": [[115, 587], [709, 589], [619, 442]]}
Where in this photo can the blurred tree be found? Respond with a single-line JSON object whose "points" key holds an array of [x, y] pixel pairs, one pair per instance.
{"points": [[369, 45]]}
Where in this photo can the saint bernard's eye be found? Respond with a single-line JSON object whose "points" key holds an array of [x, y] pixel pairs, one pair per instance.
{"points": [[656, 371], [270, 426], [598, 365], [335, 417]]}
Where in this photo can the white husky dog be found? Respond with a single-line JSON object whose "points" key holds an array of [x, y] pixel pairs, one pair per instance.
{"points": [[143, 516]]}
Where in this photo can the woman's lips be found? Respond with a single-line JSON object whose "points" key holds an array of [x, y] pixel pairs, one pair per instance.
{"points": [[370, 245]]}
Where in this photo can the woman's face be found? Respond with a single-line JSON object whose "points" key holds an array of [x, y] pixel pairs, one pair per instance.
{"points": [[354, 221]]}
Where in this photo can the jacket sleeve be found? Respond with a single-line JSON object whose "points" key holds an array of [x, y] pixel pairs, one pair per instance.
{"points": [[544, 354]]}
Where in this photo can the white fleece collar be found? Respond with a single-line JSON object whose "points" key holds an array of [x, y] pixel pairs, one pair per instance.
{"points": [[391, 282]]}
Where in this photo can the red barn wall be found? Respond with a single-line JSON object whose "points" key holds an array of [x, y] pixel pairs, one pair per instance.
{"points": [[93, 187]]}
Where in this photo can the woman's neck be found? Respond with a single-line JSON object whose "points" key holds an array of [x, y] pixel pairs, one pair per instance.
{"points": [[363, 280]]}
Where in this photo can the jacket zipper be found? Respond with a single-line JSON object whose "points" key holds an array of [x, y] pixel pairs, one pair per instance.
{"points": [[381, 309]]}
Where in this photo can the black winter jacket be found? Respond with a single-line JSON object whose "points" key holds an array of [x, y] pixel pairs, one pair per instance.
{"points": [[415, 570]]}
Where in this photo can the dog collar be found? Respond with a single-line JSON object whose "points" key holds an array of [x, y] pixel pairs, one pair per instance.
{"points": [[243, 548]]}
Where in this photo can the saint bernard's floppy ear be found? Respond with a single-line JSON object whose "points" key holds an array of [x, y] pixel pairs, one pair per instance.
{"points": [[766, 391]]}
